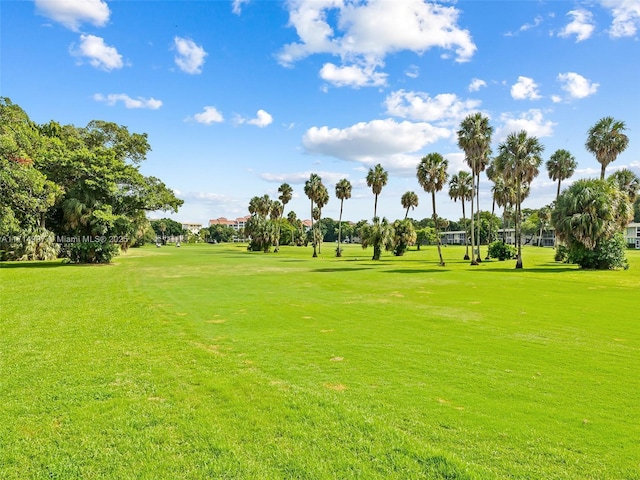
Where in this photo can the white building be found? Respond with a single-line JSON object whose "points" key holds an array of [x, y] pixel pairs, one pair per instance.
{"points": [[632, 235], [192, 227]]}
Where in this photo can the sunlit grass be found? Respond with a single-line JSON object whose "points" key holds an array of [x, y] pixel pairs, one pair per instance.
{"points": [[210, 361]]}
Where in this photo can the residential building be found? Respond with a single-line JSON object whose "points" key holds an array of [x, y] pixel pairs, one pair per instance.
{"points": [[237, 224], [632, 235], [192, 227]]}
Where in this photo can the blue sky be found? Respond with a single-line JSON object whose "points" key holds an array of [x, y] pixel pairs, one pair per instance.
{"points": [[239, 97]]}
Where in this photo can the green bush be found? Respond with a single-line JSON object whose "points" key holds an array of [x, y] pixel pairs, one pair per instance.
{"points": [[90, 252], [607, 255], [562, 253], [501, 251]]}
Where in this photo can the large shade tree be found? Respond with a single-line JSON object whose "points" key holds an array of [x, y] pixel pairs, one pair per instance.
{"points": [[606, 140], [377, 178], [474, 138], [460, 189], [432, 176], [518, 160], [343, 192], [589, 218]]}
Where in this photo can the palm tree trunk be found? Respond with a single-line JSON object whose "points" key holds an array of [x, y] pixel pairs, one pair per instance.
{"points": [[339, 251], [603, 169], [375, 207], [518, 236], [464, 222], [406, 214], [479, 259], [435, 221], [473, 249], [313, 233]]}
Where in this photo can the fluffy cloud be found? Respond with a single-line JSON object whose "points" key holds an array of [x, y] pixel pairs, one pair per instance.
{"points": [[190, 57], [576, 85], [352, 76], [370, 142], [445, 108], [208, 116], [237, 6], [626, 17], [100, 55], [525, 88], [581, 26], [363, 34], [261, 120], [72, 13], [139, 102], [532, 122], [476, 84]]}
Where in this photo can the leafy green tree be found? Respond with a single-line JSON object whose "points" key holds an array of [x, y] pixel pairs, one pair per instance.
{"points": [[561, 166], [606, 141], [378, 235], [544, 217], [460, 189], [474, 138], [589, 217], [166, 227], [409, 200], [343, 192], [426, 235], [403, 235], [519, 160], [432, 176], [377, 178]]}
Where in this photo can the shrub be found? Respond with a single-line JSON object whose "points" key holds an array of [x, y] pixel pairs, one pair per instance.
{"points": [[90, 252], [607, 255], [562, 254], [501, 251]]}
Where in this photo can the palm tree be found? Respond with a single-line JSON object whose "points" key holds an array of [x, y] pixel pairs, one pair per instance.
{"points": [[561, 166], [432, 176], [544, 215], [474, 138], [409, 201], [376, 179], [286, 193], [606, 141], [343, 192], [311, 190], [627, 182], [460, 189], [321, 200], [518, 161]]}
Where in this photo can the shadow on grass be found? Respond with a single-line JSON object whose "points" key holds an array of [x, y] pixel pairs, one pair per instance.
{"points": [[339, 269], [33, 264], [532, 269], [417, 270]]}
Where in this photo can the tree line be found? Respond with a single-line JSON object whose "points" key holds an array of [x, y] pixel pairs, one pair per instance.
{"points": [[73, 192], [588, 217]]}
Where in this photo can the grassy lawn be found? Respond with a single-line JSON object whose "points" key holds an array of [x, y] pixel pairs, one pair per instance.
{"points": [[213, 362]]}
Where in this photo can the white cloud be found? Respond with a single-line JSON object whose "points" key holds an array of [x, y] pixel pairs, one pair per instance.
{"points": [[190, 57], [626, 17], [72, 13], [237, 6], [476, 84], [208, 116], [532, 122], [139, 102], [556, 98], [352, 76], [413, 71], [382, 141], [363, 34], [527, 26], [445, 108], [100, 55], [261, 120], [525, 89], [576, 85], [581, 26]]}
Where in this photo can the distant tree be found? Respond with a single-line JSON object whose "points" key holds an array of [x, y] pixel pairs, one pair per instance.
{"points": [[606, 141], [561, 166], [426, 235], [432, 176], [474, 138], [403, 235], [312, 189], [409, 200], [378, 235], [376, 179], [286, 193], [589, 217], [544, 217], [343, 192], [460, 189], [519, 160]]}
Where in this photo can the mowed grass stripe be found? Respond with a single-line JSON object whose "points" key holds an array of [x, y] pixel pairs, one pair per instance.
{"points": [[212, 361]]}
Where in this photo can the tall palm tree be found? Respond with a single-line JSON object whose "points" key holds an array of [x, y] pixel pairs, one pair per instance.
{"points": [[376, 179], [343, 192], [519, 159], [544, 215], [409, 201], [606, 141], [321, 200], [286, 193], [311, 190], [560, 166], [432, 176], [474, 138], [627, 182], [460, 189]]}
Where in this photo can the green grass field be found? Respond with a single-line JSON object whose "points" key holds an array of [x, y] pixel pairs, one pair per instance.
{"points": [[213, 362]]}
